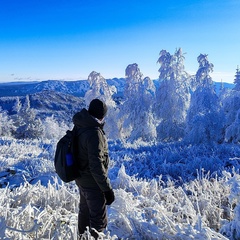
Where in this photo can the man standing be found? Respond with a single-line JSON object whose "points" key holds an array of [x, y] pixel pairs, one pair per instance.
{"points": [[94, 185]]}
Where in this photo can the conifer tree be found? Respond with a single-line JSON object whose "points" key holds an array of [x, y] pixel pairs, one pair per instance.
{"points": [[237, 80]]}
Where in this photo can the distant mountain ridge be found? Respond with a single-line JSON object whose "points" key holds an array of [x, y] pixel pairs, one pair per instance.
{"points": [[52, 97], [75, 88], [55, 97]]}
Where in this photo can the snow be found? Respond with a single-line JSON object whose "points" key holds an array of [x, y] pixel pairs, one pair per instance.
{"points": [[163, 191]]}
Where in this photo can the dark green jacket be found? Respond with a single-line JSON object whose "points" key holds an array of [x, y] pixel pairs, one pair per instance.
{"points": [[92, 152]]}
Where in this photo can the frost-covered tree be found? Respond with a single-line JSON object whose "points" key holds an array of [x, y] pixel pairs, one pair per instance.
{"points": [[137, 121], [205, 68], [172, 97], [204, 119], [17, 106], [237, 80], [165, 60], [6, 124], [232, 133], [27, 124], [231, 109], [100, 89]]}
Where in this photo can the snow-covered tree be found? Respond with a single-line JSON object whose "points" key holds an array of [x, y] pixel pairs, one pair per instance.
{"points": [[165, 60], [204, 119], [205, 68], [27, 124], [137, 121], [6, 124], [17, 106], [231, 108], [232, 133], [172, 97], [101, 90], [237, 80]]}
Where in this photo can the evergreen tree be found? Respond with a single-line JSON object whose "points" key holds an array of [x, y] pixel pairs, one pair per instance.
{"points": [[172, 97], [237, 80]]}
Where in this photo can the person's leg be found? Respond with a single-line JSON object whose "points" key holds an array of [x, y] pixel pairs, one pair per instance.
{"points": [[83, 214], [97, 208]]}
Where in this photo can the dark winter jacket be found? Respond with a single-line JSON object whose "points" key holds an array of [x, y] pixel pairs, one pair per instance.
{"points": [[92, 152]]}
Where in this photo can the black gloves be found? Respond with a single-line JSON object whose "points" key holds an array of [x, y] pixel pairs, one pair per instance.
{"points": [[109, 196]]}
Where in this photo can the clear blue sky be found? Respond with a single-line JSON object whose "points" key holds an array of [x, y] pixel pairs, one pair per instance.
{"points": [[67, 39]]}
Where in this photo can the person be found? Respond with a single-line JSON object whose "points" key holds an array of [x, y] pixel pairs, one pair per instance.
{"points": [[93, 158]]}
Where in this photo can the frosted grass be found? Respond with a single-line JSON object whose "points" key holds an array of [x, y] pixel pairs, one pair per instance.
{"points": [[150, 204]]}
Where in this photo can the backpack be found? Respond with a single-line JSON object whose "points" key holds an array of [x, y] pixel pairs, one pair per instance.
{"points": [[65, 160]]}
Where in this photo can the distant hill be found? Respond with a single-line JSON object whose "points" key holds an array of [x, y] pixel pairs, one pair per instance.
{"points": [[47, 103], [75, 88], [219, 85]]}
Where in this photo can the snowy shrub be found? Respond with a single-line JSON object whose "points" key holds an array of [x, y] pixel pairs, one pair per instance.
{"points": [[231, 229], [52, 129]]}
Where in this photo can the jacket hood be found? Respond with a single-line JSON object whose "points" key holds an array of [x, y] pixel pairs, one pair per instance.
{"points": [[83, 119]]}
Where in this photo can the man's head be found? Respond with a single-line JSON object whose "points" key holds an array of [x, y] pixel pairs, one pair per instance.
{"points": [[97, 109]]}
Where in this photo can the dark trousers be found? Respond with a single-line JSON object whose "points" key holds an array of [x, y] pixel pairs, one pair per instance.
{"points": [[92, 209]]}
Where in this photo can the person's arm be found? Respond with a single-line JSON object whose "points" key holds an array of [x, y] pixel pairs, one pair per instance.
{"points": [[97, 161]]}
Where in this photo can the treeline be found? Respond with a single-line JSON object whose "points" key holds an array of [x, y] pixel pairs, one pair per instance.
{"points": [[182, 107]]}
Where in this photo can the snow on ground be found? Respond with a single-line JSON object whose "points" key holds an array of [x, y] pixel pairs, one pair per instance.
{"points": [[165, 191]]}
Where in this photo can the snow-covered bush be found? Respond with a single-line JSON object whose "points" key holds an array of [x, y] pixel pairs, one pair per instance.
{"points": [[231, 229], [52, 129]]}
